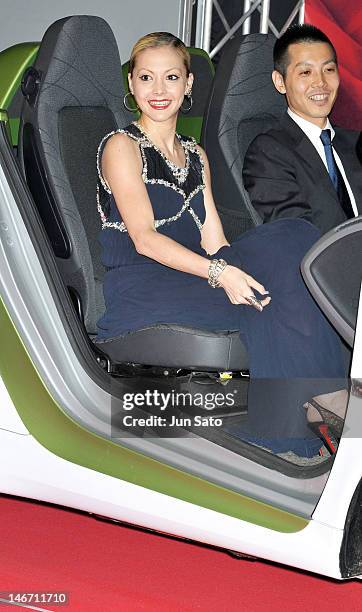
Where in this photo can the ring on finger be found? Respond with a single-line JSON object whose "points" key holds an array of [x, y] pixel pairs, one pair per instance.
{"points": [[253, 301]]}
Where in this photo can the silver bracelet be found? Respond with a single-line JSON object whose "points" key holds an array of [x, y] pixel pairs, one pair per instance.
{"points": [[215, 268]]}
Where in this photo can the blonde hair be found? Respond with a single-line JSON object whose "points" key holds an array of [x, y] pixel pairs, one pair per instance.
{"points": [[160, 39]]}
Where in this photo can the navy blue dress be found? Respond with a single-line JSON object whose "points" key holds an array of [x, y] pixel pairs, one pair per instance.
{"points": [[294, 353]]}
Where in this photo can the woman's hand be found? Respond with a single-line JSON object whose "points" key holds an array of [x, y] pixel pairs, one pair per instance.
{"points": [[239, 286]]}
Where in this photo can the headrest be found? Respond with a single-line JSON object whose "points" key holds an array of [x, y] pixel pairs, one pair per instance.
{"points": [[243, 103], [78, 58], [260, 104], [250, 90], [243, 90]]}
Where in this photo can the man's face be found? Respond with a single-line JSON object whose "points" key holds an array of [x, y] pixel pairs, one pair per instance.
{"points": [[311, 81]]}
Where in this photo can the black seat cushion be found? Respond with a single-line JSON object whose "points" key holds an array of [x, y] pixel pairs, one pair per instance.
{"points": [[176, 346]]}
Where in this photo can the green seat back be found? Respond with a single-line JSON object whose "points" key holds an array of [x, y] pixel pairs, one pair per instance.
{"points": [[13, 63]]}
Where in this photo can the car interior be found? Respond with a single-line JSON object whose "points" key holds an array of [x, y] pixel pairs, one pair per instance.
{"points": [[70, 101]]}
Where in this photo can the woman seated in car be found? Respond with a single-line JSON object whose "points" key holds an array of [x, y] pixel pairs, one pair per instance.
{"points": [[168, 261]]}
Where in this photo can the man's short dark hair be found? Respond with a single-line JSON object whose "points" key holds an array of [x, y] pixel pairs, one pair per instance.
{"points": [[304, 33]]}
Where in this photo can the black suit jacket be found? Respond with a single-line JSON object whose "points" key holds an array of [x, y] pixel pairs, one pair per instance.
{"points": [[286, 177]]}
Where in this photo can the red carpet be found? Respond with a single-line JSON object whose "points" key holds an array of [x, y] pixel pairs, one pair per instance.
{"points": [[107, 567]]}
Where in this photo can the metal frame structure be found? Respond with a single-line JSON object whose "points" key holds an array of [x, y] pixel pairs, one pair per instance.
{"points": [[185, 20], [204, 20]]}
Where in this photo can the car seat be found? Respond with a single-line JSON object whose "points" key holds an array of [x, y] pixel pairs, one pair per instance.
{"points": [[243, 103], [73, 97], [324, 270]]}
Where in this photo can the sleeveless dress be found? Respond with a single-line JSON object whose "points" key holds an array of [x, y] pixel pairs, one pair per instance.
{"points": [[294, 353]]}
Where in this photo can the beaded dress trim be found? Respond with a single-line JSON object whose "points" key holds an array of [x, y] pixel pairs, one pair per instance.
{"points": [[178, 172], [180, 176]]}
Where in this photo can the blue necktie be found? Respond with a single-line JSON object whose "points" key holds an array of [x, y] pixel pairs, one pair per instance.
{"points": [[335, 174], [331, 162]]}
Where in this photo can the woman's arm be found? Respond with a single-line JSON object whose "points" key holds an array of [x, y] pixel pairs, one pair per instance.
{"points": [[213, 238], [122, 170]]}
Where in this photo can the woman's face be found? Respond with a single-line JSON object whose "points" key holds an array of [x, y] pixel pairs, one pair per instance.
{"points": [[159, 82]]}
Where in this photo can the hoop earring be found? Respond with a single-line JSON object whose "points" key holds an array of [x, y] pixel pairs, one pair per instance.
{"points": [[187, 97], [132, 110]]}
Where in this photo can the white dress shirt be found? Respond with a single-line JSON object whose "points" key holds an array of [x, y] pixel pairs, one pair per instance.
{"points": [[313, 132]]}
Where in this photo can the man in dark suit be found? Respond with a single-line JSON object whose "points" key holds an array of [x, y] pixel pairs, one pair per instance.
{"points": [[304, 167]]}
